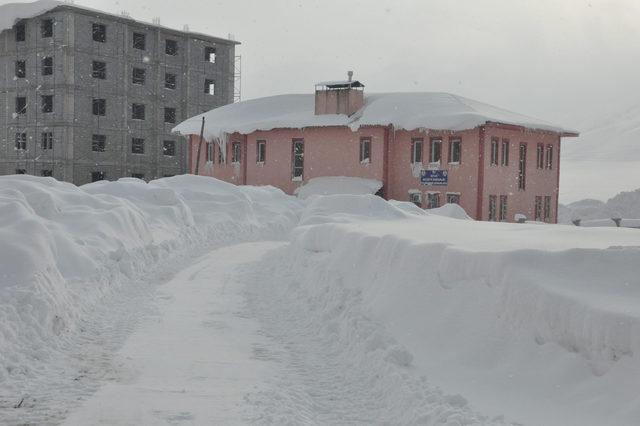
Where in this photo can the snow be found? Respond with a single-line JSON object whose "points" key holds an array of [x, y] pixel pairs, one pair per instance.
{"points": [[624, 205], [338, 185], [11, 13], [409, 111], [144, 303]]}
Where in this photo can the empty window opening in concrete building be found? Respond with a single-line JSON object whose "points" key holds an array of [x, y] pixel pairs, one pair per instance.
{"points": [[47, 103], [96, 176], [261, 154], [21, 105], [169, 115], [21, 171], [169, 148], [210, 54], [21, 141], [137, 145], [137, 175], [99, 70], [365, 150], [46, 140], [171, 47], [436, 151], [433, 200], [236, 153], [416, 151], [297, 162], [209, 87], [46, 172], [21, 69], [137, 112], [98, 143], [46, 28], [99, 33], [138, 76], [139, 41], [99, 107], [455, 151], [47, 65], [170, 81], [21, 32]]}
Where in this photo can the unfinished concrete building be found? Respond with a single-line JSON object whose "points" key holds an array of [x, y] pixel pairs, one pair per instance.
{"points": [[86, 95]]}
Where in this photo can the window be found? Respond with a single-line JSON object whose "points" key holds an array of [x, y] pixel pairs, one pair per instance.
{"points": [[209, 152], [46, 173], [21, 32], [96, 176], [46, 140], [261, 151], [547, 208], [99, 107], [433, 200], [98, 143], [365, 150], [209, 87], [21, 141], [169, 115], [171, 47], [99, 70], [538, 208], [505, 152], [522, 166], [298, 159], [235, 152], [540, 156], [453, 198], [138, 76], [99, 33], [139, 41], [416, 198], [436, 151], [416, 151], [170, 81], [549, 158], [21, 69], [137, 175], [137, 146], [137, 111], [21, 105], [210, 54], [21, 171], [47, 103], [492, 208], [503, 208], [46, 28], [455, 150], [494, 152], [169, 148], [47, 65]]}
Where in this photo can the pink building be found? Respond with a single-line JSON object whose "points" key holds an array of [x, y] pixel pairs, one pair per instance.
{"points": [[429, 148]]}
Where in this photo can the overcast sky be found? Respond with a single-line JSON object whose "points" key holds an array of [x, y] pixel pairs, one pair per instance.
{"points": [[562, 60]]}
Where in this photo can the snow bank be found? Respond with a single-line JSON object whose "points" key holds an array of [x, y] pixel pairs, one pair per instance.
{"points": [[330, 185], [450, 210], [348, 208], [540, 323], [64, 248]]}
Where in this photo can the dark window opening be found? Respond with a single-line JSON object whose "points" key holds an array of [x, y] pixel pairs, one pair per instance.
{"points": [[47, 103], [236, 155], [99, 70], [453, 198], [46, 140], [171, 47], [494, 152], [169, 148], [416, 152], [21, 141], [138, 76], [21, 32], [21, 105], [298, 159], [21, 69], [46, 173], [538, 208], [505, 152], [436, 151], [503, 208], [100, 107], [209, 87], [137, 146], [492, 208], [433, 200], [455, 150], [137, 111], [99, 33], [169, 115], [522, 167], [261, 151], [21, 171], [547, 208], [137, 175], [96, 176], [416, 198], [98, 143], [47, 65], [46, 28], [540, 156], [365, 150], [209, 158], [210, 54], [170, 81], [220, 153], [549, 158], [139, 41]]}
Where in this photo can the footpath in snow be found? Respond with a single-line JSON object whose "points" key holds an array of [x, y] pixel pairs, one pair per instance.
{"points": [[365, 311]]}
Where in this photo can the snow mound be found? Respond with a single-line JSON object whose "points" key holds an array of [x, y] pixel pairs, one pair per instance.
{"points": [[450, 210], [348, 208], [408, 207], [330, 185]]}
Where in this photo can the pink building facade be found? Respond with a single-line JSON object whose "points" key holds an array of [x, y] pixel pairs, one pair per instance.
{"points": [[493, 170]]}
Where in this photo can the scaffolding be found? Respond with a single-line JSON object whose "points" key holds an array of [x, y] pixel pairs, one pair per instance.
{"points": [[237, 78]]}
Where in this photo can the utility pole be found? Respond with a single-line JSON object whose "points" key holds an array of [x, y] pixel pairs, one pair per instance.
{"points": [[199, 146]]}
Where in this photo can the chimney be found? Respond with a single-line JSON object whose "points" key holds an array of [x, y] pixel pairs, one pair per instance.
{"points": [[339, 97]]}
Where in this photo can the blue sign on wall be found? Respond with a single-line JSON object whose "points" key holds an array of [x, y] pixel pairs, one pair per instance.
{"points": [[434, 177]]}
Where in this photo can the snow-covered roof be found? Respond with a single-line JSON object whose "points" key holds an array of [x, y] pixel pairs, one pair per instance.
{"points": [[11, 13], [341, 83], [408, 111]]}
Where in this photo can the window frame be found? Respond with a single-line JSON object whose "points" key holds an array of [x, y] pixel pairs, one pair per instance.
{"points": [[453, 195], [522, 166], [99, 174], [138, 111], [98, 142], [46, 141], [46, 104], [46, 173], [46, 69], [209, 86], [452, 150], [209, 154], [433, 200], [21, 68], [415, 197], [99, 70], [548, 161], [46, 28], [209, 53], [20, 32], [502, 209], [417, 146], [546, 209], [493, 206], [433, 143], [261, 151], [365, 150], [493, 152], [98, 32], [236, 152], [169, 148], [540, 156], [18, 100], [297, 172], [20, 141], [135, 40], [137, 146], [101, 105], [173, 51], [504, 159], [167, 84], [172, 112], [138, 76]]}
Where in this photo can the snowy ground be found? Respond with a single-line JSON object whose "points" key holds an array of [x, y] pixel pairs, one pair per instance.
{"points": [[363, 311]]}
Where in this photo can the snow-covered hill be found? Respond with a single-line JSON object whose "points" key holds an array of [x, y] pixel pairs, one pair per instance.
{"points": [[624, 205]]}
